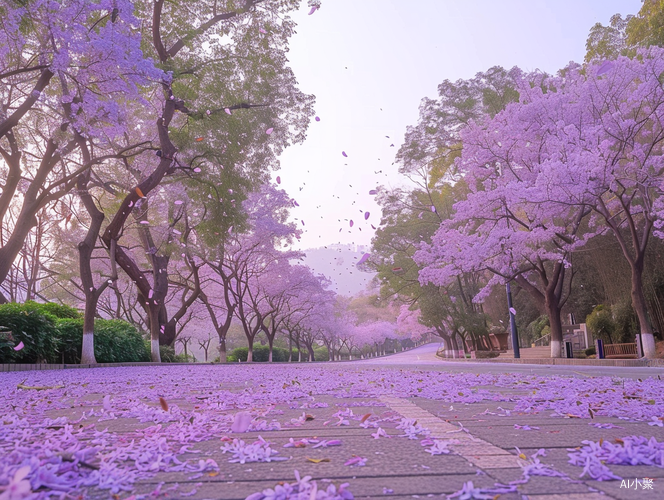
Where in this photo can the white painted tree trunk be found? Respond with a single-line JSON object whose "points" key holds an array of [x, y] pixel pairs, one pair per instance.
{"points": [[154, 350], [648, 345], [556, 349], [88, 349]]}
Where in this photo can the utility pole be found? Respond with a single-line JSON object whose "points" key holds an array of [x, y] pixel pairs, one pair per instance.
{"points": [[515, 335]]}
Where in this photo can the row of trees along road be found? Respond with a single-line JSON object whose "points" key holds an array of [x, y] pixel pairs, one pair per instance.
{"points": [[137, 140], [137, 123], [518, 177]]}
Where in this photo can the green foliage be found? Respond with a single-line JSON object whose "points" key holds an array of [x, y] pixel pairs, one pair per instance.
{"points": [[627, 324], [624, 34], [116, 341], [6, 340], [168, 355], [486, 354], [601, 324], [321, 354], [607, 42], [614, 325], [30, 324], [57, 310], [647, 27], [537, 329], [70, 338], [279, 355], [166, 352], [590, 351]]}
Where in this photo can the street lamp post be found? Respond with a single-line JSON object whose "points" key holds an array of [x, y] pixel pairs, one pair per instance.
{"points": [[515, 335]]}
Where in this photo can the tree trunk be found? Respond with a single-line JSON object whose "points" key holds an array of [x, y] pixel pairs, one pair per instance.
{"points": [[269, 356], [454, 344], [290, 347], [88, 347], [555, 323], [310, 348], [85, 249], [250, 352], [641, 310], [153, 316], [222, 350], [551, 300]]}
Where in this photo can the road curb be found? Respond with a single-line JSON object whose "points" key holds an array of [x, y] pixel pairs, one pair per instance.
{"points": [[564, 361]]}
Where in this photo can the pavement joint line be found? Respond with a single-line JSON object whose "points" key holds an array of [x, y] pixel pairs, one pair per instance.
{"points": [[477, 452], [482, 454]]}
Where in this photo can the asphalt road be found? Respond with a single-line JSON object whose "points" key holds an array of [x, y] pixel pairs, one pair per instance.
{"points": [[424, 358]]}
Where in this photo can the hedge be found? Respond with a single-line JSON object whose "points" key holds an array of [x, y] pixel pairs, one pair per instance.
{"points": [[57, 310], [116, 341], [53, 333], [30, 324], [261, 353], [167, 354]]}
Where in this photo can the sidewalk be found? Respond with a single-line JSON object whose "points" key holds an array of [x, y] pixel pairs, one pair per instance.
{"points": [[566, 361], [539, 356], [315, 403]]}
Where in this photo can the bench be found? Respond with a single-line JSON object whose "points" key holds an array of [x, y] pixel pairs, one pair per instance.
{"points": [[620, 351]]}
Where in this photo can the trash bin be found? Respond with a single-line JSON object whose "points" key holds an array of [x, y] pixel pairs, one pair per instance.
{"points": [[569, 350], [599, 348]]}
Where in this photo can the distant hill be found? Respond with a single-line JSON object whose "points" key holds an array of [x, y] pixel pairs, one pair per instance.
{"points": [[338, 262]]}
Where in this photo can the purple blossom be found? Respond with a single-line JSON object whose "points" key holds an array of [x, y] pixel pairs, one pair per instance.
{"points": [[258, 451], [303, 488], [19, 486], [326, 443], [470, 492], [440, 447], [607, 425], [411, 428], [356, 461], [380, 432], [526, 427]]}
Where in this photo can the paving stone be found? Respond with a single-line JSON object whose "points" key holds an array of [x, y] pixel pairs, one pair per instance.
{"points": [[613, 489], [361, 487], [484, 455], [493, 461]]}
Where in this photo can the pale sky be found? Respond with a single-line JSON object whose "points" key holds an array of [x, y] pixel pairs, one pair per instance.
{"points": [[370, 62]]}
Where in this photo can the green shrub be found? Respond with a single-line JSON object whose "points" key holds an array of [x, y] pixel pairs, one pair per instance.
{"points": [[70, 337], [627, 324], [321, 354], [261, 353], [30, 324], [181, 358], [239, 353], [590, 351], [7, 341], [601, 324], [486, 354], [57, 310], [116, 341], [280, 355], [166, 352]]}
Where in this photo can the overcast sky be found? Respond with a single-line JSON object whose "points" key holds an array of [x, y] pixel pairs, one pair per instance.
{"points": [[370, 62]]}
